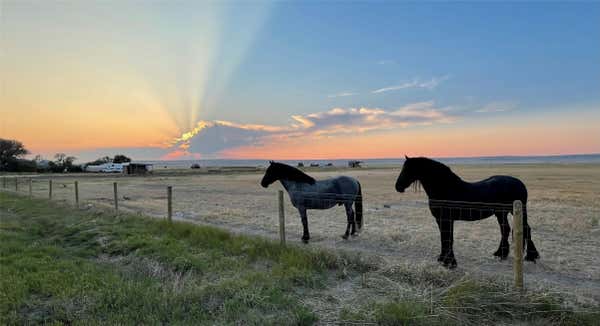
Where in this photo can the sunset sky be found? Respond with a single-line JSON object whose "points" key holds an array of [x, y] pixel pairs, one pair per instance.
{"points": [[284, 80]]}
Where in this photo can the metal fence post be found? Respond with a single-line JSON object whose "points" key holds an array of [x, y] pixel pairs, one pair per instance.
{"points": [[170, 203], [50, 189], [16, 184], [30, 188], [518, 243], [281, 218], [3, 182]]}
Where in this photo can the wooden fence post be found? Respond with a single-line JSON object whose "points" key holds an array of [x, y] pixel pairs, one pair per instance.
{"points": [[50, 189], [518, 243], [76, 194], [281, 218], [116, 198], [30, 188], [16, 184], [3, 182], [170, 203]]}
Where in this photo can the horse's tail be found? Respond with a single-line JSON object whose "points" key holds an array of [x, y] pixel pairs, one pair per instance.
{"points": [[358, 207]]}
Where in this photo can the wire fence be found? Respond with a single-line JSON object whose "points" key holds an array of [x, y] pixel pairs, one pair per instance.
{"points": [[396, 227]]}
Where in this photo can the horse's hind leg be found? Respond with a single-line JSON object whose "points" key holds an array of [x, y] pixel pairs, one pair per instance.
{"points": [[304, 218], [532, 253], [351, 226], [504, 247]]}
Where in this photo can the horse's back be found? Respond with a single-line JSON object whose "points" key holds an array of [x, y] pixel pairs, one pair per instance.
{"points": [[342, 185], [498, 189]]}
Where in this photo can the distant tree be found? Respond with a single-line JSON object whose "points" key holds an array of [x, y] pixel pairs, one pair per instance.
{"points": [[100, 161], [63, 163], [121, 159], [11, 151]]}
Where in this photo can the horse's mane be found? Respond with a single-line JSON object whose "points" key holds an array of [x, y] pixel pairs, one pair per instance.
{"points": [[438, 168], [287, 172]]}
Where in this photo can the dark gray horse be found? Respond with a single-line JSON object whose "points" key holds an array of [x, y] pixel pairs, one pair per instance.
{"points": [[307, 193]]}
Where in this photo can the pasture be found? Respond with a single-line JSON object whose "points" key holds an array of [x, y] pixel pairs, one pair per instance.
{"points": [[397, 249], [63, 266]]}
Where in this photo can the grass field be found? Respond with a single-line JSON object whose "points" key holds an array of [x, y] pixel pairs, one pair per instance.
{"points": [[563, 206], [62, 266]]}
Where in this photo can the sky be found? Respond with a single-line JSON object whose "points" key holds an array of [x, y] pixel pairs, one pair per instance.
{"points": [[299, 80]]}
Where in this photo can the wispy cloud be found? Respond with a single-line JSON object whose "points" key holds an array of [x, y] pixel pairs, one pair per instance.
{"points": [[497, 107], [415, 83], [386, 62], [342, 94], [210, 138]]}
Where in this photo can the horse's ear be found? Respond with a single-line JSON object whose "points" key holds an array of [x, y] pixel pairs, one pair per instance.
{"points": [[406, 157], [271, 162]]}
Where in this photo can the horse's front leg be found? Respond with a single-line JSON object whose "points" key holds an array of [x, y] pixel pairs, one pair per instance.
{"points": [[304, 218], [446, 226]]}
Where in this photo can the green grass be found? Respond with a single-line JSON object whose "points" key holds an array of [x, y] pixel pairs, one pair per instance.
{"points": [[59, 266]]}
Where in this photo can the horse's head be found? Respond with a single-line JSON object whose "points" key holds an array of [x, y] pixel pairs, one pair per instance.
{"points": [[271, 175], [409, 174]]}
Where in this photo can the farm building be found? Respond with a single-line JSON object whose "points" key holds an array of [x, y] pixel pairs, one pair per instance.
{"points": [[354, 164], [138, 168], [107, 168]]}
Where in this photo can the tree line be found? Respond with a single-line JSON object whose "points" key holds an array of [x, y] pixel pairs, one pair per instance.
{"points": [[13, 153]]}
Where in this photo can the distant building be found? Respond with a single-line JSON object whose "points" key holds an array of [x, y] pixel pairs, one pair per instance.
{"points": [[354, 164], [107, 168], [138, 168]]}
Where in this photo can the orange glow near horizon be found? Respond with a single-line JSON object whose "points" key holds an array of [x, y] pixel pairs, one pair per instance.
{"points": [[552, 134], [527, 138]]}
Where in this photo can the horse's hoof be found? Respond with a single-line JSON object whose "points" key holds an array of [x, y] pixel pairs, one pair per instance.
{"points": [[501, 256], [355, 234], [502, 253], [532, 256], [449, 262], [345, 237], [305, 240]]}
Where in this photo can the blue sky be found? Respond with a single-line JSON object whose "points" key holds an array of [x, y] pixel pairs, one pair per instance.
{"points": [[541, 56], [246, 79]]}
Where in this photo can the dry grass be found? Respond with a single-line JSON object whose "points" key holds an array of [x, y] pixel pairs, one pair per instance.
{"points": [[563, 207]]}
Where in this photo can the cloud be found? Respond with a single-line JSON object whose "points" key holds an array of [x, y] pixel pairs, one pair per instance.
{"points": [[342, 94], [386, 62], [415, 83], [210, 138], [497, 107]]}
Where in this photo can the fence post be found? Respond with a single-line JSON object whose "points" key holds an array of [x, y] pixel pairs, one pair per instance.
{"points": [[169, 203], [77, 194], [50, 189], [281, 218], [16, 184], [518, 243], [116, 198], [30, 188], [3, 182]]}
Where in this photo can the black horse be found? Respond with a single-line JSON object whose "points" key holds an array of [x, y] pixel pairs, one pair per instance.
{"points": [[451, 199], [307, 193]]}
